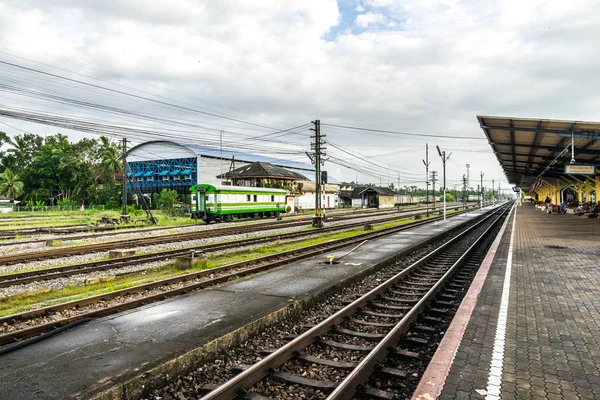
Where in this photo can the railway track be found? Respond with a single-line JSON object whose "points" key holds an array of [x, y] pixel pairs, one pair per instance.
{"points": [[169, 238], [57, 230], [70, 270], [29, 232], [36, 322], [370, 344]]}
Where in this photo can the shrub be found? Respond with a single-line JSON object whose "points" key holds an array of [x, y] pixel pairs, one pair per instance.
{"points": [[67, 203], [167, 201]]}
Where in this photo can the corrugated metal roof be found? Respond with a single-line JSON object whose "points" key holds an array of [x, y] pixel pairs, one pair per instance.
{"points": [[262, 170], [308, 186], [527, 147], [379, 190], [213, 152]]}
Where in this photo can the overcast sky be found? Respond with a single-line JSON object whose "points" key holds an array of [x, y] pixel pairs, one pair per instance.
{"points": [[415, 66]]}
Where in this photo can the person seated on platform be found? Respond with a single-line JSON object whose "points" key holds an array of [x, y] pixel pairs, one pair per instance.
{"points": [[581, 209], [548, 206], [595, 211]]}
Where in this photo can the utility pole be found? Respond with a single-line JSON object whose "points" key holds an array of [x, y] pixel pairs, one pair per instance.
{"points": [[221, 147], [444, 159], [481, 200], [498, 190], [433, 181], [493, 195], [465, 186], [468, 177], [426, 177], [318, 153], [124, 178]]}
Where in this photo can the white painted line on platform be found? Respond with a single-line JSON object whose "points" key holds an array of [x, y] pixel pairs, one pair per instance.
{"points": [[495, 377]]}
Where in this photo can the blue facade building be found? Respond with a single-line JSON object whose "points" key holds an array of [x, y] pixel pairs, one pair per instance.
{"points": [[159, 165]]}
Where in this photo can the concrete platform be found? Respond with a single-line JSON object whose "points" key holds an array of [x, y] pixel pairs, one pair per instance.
{"points": [[109, 352], [534, 331]]}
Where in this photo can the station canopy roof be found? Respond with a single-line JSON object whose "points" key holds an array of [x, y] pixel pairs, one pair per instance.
{"points": [[528, 148]]}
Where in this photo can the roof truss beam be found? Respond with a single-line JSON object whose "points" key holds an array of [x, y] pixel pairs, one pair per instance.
{"points": [[561, 132], [541, 147]]}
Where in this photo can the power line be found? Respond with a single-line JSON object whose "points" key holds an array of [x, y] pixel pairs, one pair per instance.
{"points": [[117, 75], [130, 94], [402, 133]]}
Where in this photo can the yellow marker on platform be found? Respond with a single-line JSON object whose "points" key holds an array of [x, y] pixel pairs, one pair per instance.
{"points": [[331, 259]]}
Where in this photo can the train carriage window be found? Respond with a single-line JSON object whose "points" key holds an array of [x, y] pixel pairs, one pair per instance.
{"points": [[272, 198], [255, 198], [247, 197]]}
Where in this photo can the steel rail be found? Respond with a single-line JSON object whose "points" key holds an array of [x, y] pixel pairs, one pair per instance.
{"points": [[69, 270], [27, 232], [57, 230], [363, 371], [261, 369], [265, 263], [289, 220], [24, 257]]}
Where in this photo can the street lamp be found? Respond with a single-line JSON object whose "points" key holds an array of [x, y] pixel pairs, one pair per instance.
{"points": [[444, 159]]}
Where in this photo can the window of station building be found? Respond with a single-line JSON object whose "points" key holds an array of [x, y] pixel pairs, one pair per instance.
{"points": [[255, 198], [247, 197]]}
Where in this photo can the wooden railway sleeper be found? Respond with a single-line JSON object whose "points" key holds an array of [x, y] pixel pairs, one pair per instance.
{"points": [[399, 300], [363, 335], [390, 307], [325, 386]]}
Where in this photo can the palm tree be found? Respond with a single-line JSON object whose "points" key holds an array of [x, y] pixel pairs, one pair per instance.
{"points": [[10, 184], [109, 155]]}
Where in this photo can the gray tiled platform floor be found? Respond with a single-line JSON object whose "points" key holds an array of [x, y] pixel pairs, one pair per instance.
{"points": [[553, 334]]}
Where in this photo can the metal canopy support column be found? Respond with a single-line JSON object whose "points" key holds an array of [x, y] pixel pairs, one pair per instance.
{"points": [[512, 142]]}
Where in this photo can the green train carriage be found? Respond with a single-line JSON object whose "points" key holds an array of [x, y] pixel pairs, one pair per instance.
{"points": [[224, 203]]}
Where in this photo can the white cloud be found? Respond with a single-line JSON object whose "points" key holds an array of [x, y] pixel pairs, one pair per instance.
{"points": [[268, 61], [370, 18]]}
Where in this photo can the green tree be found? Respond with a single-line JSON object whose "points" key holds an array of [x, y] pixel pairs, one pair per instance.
{"points": [[11, 185], [167, 200], [22, 151], [109, 157]]}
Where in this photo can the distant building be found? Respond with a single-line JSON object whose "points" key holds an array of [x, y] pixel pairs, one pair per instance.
{"points": [[6, 205], [161, 164], [358, 196], [378, 197], [350, 195], [262, 174], [305, 195]]}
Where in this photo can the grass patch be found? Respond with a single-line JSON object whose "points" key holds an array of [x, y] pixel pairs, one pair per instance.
{"points": [[21, 303]]}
